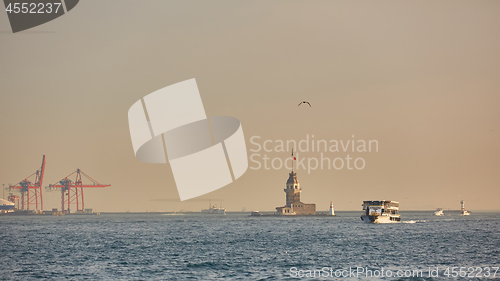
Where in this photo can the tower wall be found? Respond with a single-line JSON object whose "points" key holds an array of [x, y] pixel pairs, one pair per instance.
{"points": [[292, 189], [292, 196]]}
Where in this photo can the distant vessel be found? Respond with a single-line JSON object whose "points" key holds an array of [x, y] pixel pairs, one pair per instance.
{"points": [[382, 211], [6, 206], [464, 211], [331, 212], [214, 209], [439, 212]]}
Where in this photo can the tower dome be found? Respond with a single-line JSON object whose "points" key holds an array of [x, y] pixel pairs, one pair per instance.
{"points": [[292, 179]]}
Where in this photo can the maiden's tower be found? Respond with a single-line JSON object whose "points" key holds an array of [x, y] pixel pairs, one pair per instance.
{"points": [[293, 204]]}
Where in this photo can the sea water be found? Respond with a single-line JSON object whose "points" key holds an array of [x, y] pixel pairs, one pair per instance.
{"points": [[235, 246]]}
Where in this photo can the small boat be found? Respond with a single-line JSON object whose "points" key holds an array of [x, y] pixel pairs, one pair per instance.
{"points": [[382, 211], [439, 212], [464, 211]]}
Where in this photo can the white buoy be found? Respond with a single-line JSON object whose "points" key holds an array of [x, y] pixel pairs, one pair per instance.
{"points": [[331, 212]]}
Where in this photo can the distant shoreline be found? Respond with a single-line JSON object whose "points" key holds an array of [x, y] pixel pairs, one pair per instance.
{"points": [[249, 212], [263, 213]]}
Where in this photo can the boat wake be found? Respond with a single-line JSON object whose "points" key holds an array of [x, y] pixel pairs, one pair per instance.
{"points": [[414, 221]]}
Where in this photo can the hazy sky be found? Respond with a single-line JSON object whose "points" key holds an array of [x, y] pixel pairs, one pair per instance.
{"points": [[420, 77]]}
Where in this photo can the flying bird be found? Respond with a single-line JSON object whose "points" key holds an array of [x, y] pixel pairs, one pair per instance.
{"points": [[305, 102]]}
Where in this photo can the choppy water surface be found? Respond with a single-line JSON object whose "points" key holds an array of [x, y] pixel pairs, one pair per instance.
{"points": [[236, 246]]}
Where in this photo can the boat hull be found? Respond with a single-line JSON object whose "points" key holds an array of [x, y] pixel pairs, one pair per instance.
{"points": [[214, 211], [380, 219]]}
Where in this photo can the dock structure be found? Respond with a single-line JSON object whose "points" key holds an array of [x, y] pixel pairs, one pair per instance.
{"points": [[30, 200]]}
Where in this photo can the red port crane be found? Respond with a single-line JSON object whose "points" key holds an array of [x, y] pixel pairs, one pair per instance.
{"points": [[72, 190], [31, 192]]}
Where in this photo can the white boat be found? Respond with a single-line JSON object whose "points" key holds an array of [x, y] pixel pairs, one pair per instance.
{"points": [[214, 209], [439, 212], [464, 211], [6, 206], [382, 211]]}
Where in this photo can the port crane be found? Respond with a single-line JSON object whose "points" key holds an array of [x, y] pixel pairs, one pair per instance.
{"points": [[31, 191], [72, 190]]}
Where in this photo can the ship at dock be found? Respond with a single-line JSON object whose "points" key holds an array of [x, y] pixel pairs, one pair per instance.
{"points": [[6, 206], [382, 211]]}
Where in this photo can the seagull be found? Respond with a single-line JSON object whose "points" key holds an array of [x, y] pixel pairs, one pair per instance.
{"points": [[305, 102]]}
